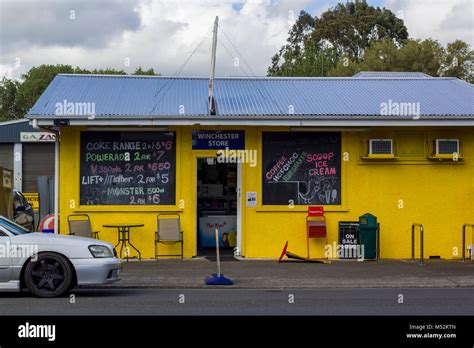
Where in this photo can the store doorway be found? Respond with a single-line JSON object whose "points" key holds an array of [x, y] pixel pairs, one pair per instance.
{"points": [[217, 207]]}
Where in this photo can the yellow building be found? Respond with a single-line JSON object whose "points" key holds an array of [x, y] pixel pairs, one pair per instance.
{"points": [[398, 146]]}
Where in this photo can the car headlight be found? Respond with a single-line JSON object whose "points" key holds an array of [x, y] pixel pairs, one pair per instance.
{"points": [[100, 251]]}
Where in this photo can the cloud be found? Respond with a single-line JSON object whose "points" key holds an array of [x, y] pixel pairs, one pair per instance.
{"points": [[442, 20], [7, 71], [163, 33], [64, 23], [147, 33]]}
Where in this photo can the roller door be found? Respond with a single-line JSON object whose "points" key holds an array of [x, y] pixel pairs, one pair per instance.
{"points": [[6, 156], [38, 159]]}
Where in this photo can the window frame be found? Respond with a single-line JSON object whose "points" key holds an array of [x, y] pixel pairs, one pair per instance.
{"points": [[438, 140], [371, 140], [132, 207], [301, 207]]}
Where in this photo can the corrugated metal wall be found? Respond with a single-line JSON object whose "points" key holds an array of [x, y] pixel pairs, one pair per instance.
{"points": [[10, 131]]}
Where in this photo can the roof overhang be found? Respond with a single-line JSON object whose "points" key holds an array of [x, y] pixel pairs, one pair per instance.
{"points": [[6, 123], [336, 121]]}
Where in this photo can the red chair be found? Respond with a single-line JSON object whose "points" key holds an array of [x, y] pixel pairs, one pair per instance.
{"points": [[315, 225]]}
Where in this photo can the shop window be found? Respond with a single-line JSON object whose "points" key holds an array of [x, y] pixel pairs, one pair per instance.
{"points": [[446, 146], [128, 168], [301, 168], [380, 147]]}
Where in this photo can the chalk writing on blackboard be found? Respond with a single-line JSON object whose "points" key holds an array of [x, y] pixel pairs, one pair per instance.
{"points": [[303, 167], [128, 168]]}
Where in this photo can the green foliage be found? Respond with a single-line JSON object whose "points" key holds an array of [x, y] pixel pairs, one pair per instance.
{"points": [[17, 98], [459, 60], [345, 67], [316, 45], [35, 82], [426, 56], [351, 28], [8, 92], [107, 71], [382, 56], [355, 37], [140, 71], [290, 60]]}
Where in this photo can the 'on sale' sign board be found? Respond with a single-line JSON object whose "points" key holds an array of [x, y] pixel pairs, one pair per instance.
{"points": [[348, 239]]}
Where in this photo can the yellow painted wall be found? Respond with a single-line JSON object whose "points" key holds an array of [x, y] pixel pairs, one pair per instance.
{"points": [[409, 189]]}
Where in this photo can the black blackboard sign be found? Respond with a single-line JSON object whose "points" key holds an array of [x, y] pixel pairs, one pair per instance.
{"points": [[128, 168], [348, 240], [303, 168]]}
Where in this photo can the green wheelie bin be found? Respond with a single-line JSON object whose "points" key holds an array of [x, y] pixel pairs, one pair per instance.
{"points": [[368, 235]]}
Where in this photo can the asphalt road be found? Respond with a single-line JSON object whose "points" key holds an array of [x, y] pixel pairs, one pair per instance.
{"points": [[117, 301]]}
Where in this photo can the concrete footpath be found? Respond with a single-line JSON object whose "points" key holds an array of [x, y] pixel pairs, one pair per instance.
{"points": [[190, 274]]}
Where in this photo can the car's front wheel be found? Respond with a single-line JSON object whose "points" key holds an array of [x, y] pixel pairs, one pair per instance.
{"points": [[50, 275]]}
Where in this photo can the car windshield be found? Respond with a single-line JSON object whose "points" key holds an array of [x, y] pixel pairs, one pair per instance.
{"points": [[12, 227]]}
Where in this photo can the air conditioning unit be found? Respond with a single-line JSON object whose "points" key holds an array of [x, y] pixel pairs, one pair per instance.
{"points": [[446, 146], [380, 147]]}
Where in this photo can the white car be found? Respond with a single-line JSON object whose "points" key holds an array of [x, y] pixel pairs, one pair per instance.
{"points": [[49, 264]]}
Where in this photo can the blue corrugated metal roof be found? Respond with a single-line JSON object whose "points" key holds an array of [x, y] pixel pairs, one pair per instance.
{"points": [[155, 97], [392, 74]]}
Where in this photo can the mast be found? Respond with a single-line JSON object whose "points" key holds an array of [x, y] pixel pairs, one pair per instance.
{"points": [[212, 105]]}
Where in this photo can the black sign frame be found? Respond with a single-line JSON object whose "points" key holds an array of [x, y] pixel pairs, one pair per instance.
{"points": [[344, 229], [161, 152], [322, 186]]}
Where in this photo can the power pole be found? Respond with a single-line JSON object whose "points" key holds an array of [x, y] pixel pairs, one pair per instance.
{"points": [[212, 105]]}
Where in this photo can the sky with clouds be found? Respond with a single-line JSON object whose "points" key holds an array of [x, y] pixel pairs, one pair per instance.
{"points": [[125, 34]]}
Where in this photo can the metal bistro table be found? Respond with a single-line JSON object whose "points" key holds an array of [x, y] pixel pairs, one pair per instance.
{"points": [[124, 237]]}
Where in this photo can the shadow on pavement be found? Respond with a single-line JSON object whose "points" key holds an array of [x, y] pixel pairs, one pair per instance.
{"points": [[83, 292]]}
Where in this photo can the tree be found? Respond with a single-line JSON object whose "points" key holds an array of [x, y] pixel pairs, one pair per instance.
{"points": [[35, 82], [107, 71], [355, 37], [415, 55], [8, 91], [345, 67], [427, 56], [315, 45], [17, 98], [381, 56], [352, 27], [289, 58], [458, 61], [140, 71], [421, 55]]}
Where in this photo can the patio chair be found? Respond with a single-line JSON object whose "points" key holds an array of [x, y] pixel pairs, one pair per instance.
{"points": [[80, 225], [169, 232]]}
